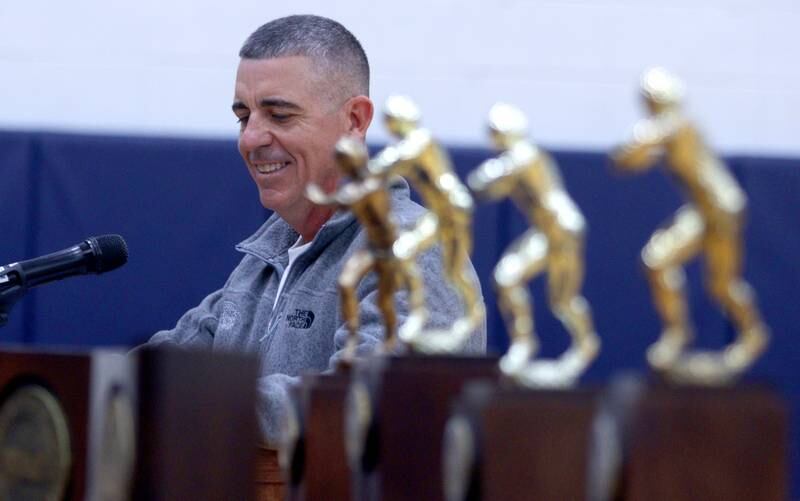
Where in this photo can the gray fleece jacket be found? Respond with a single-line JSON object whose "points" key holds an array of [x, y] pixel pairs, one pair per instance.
{"points": [[305, 331]]}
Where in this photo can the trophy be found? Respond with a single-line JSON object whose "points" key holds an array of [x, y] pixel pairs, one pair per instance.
{"points": [[419, 158], [314, 449], [528, 436], [555, 244], [398, 405], [366, 195], [106, 426], [710, 223], [695, 433]]}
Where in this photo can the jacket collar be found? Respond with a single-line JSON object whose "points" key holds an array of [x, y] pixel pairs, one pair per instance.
{"points": [[275, 236]]}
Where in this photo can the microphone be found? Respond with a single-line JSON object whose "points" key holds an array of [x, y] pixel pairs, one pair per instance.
{"points": [[93, 255]]}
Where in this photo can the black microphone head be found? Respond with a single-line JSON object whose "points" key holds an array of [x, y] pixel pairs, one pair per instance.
{"points": [[111, 252]]}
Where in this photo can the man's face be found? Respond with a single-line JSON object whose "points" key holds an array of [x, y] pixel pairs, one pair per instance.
{"points": [[289, 126]]}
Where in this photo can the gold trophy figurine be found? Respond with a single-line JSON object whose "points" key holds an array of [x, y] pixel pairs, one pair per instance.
{"points": [[366, 195], [427, 166], [530, 177], [710, 223]]}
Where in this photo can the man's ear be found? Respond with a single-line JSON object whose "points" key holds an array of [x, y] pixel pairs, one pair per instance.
{"points": [[359, 115]]}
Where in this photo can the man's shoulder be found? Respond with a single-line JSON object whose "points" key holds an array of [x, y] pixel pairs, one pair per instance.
{"points": [[404, 210]]}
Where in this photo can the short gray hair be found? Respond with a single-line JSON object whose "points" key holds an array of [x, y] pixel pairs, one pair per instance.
{"points": [[324, 40]]}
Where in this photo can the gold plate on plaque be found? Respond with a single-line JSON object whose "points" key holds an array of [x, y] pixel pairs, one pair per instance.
{"points": [[35, 453]]}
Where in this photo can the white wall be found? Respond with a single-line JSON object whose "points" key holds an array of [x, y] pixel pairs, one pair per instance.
{"points": [[168, 66]]}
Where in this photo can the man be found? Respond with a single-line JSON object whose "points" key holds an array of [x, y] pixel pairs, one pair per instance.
{"points": [[302, 83]]}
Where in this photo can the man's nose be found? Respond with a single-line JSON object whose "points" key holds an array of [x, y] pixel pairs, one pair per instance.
{"points": [[256, 133]]}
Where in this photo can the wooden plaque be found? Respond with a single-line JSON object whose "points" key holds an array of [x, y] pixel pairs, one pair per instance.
{"points": [[509, 443], [707, 443], [411, 398], [323, 472], [157, 424]]}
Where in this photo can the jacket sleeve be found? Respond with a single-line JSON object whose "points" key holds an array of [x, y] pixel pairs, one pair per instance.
{"points": [[273, 404], [196, 327]]}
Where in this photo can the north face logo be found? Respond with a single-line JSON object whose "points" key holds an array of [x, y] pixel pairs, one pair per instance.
{"points": [[301, 319]]}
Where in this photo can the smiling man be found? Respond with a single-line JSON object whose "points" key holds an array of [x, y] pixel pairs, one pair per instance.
{"points": [[293, 108], [302, 83]]}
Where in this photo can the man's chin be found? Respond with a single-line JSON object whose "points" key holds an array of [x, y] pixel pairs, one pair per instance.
{"points": [[281, 206], [270, 203]]}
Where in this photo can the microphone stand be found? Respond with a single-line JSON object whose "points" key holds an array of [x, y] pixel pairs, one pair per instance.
{"points": [[7, 301], [9, 294]]}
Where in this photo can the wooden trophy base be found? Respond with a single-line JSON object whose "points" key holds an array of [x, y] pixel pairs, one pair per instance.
{"points": [[520, 444], [197, 430], [412, 399], [270, 483], [706, 443], [324, 469]]}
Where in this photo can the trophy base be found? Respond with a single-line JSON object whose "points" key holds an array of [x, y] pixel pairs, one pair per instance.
{"points": [[68, 378], [683, 442], [270, 484], [525, 443], [197, 426], [325, 468], [412, 397]]}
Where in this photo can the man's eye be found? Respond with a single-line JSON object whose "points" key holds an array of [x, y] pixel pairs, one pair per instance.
{"points": [[280, 117], [242, 120]]}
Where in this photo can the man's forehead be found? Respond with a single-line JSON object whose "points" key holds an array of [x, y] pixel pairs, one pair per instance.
{"points": [[288, 79], [295, 61]]}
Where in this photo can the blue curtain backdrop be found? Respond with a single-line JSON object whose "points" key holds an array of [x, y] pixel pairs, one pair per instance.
{"points": [[183, 204]]}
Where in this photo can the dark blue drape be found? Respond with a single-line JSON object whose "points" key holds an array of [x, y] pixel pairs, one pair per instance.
{"points": [[183, 204]]}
